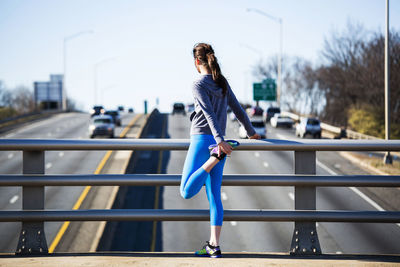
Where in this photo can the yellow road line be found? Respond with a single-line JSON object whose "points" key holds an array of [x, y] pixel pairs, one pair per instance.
{"points": [[157, 192], [85, 191]]}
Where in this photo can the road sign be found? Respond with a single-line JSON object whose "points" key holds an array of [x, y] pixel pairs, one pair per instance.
{"points": [[265, 90]]}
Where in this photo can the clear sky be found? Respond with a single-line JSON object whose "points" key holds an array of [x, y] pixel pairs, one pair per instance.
{"points": [[146, 46]]}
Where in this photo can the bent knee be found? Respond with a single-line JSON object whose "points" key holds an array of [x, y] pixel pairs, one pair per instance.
{"points": [[185, 194]]}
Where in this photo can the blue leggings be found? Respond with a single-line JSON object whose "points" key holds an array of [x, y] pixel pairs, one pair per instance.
{"points": [[194, 176]]}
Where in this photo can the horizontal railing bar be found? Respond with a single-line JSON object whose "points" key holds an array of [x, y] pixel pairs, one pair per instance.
{"points": [[174, 180], [200, 215], [183, 144]]}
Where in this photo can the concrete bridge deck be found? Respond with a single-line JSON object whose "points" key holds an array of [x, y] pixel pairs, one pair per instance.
{"points": [[187, 259]]}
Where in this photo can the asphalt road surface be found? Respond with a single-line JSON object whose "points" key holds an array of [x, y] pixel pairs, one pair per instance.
{"points": [[276, 236], [61, 126]]}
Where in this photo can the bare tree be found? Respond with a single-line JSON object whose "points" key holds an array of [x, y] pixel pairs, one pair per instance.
{"points": [[22, 100]]}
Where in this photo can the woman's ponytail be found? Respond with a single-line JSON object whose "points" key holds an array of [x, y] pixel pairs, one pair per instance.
{"points": [[205, 54]]}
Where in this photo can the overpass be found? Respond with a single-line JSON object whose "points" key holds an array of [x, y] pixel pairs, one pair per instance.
{"points": [[304, 242]]}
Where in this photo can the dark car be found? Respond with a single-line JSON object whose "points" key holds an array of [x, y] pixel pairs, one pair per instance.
{"points": [[97, 110], [270, 112], [130, 110], [121, 108], [179, 108], [255, 111], [115, 115]]}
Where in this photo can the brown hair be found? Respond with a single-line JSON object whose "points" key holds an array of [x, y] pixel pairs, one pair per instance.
{"points": [[205, 54]]}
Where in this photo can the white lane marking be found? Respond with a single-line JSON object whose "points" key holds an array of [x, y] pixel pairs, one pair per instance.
{"points": [[355, 190], [49, 134], [280, 136], [266, 165], [316, 224], [291, 196], [326, 168], [337, 165], [14, 199], [58, 129], [224, 196], [9, 135], [339, 252], [10, 156], [61, 154], [48, 165], [233, 223], [257, 154]]}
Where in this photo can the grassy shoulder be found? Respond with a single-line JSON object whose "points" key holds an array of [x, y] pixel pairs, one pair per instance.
{"points": [[377, 163], [10, 124]]}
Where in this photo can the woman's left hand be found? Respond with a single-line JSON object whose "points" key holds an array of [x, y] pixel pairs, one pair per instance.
{"points": [[255, 136]]}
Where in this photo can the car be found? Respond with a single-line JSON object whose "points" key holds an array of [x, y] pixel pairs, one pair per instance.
{"points": [[101, 125], [279, 120], [232, 116], [255, 111], [97, 110], [308, 126], [115, 115], [259, 126], [121, 108], [178, 108], [270, 112], [190, 108], [130, 110]]}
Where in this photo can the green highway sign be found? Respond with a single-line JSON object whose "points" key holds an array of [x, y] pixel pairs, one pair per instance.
{"points": [[265, 90]]}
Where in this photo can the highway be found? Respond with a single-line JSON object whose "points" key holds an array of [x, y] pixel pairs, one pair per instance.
{"points": [[61, 126], [276, 236], [190, 236]]}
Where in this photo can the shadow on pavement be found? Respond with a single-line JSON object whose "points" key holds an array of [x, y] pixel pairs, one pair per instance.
{"points": [[140, 235]]}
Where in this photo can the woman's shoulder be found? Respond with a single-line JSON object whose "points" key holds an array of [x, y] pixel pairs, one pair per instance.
{"points": [[201, 79]]}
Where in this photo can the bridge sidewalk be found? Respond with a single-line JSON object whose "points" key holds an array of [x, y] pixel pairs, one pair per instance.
{"points": [[187, 259]]}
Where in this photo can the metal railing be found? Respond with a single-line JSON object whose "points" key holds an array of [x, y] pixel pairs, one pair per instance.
{"points": [[305, 241]]}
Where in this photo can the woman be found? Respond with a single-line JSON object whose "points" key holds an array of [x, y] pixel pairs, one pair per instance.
{"points": [[212, 94]]}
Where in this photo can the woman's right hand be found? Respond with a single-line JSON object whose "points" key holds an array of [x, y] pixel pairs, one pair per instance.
{"points": [[255, 136], [224, 147]]}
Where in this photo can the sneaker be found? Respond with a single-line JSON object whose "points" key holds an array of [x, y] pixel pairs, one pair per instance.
{"points": [[209, 251], [214, 149]]}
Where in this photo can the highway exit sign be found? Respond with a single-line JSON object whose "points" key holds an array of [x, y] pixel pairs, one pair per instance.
{"points": [[265, 90]]}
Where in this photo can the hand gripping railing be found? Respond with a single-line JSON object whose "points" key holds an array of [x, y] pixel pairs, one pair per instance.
{"points": [[305, 238]]}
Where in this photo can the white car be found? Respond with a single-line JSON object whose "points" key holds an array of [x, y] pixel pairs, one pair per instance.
{"points": [[308, 126], [279, 120], [102, 125], [258, 125]]}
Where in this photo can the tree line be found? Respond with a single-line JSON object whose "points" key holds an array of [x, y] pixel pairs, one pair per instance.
{"points": [[346, 88], [16, 101], [20, 100]]}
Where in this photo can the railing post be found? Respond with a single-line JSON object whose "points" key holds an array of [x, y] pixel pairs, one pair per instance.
{"points": [[32, 239], [305, 238]]}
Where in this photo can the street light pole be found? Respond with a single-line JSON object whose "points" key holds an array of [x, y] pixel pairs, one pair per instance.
{"points": [[278, 20], [64, 85], [95, 76], [388, 157]]}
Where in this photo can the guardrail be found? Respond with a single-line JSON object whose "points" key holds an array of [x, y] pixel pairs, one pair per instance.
{"points": [[334, 132], [305, 241]]}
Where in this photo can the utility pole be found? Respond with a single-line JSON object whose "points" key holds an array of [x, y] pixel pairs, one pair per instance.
{"points": [[388, 158]]}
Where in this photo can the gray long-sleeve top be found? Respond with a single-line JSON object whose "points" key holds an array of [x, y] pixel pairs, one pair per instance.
{"points": [[211, 106]]}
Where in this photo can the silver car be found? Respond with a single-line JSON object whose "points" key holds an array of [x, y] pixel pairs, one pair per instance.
{"points": [[259, 127], [102, 125], [308, 126]]}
